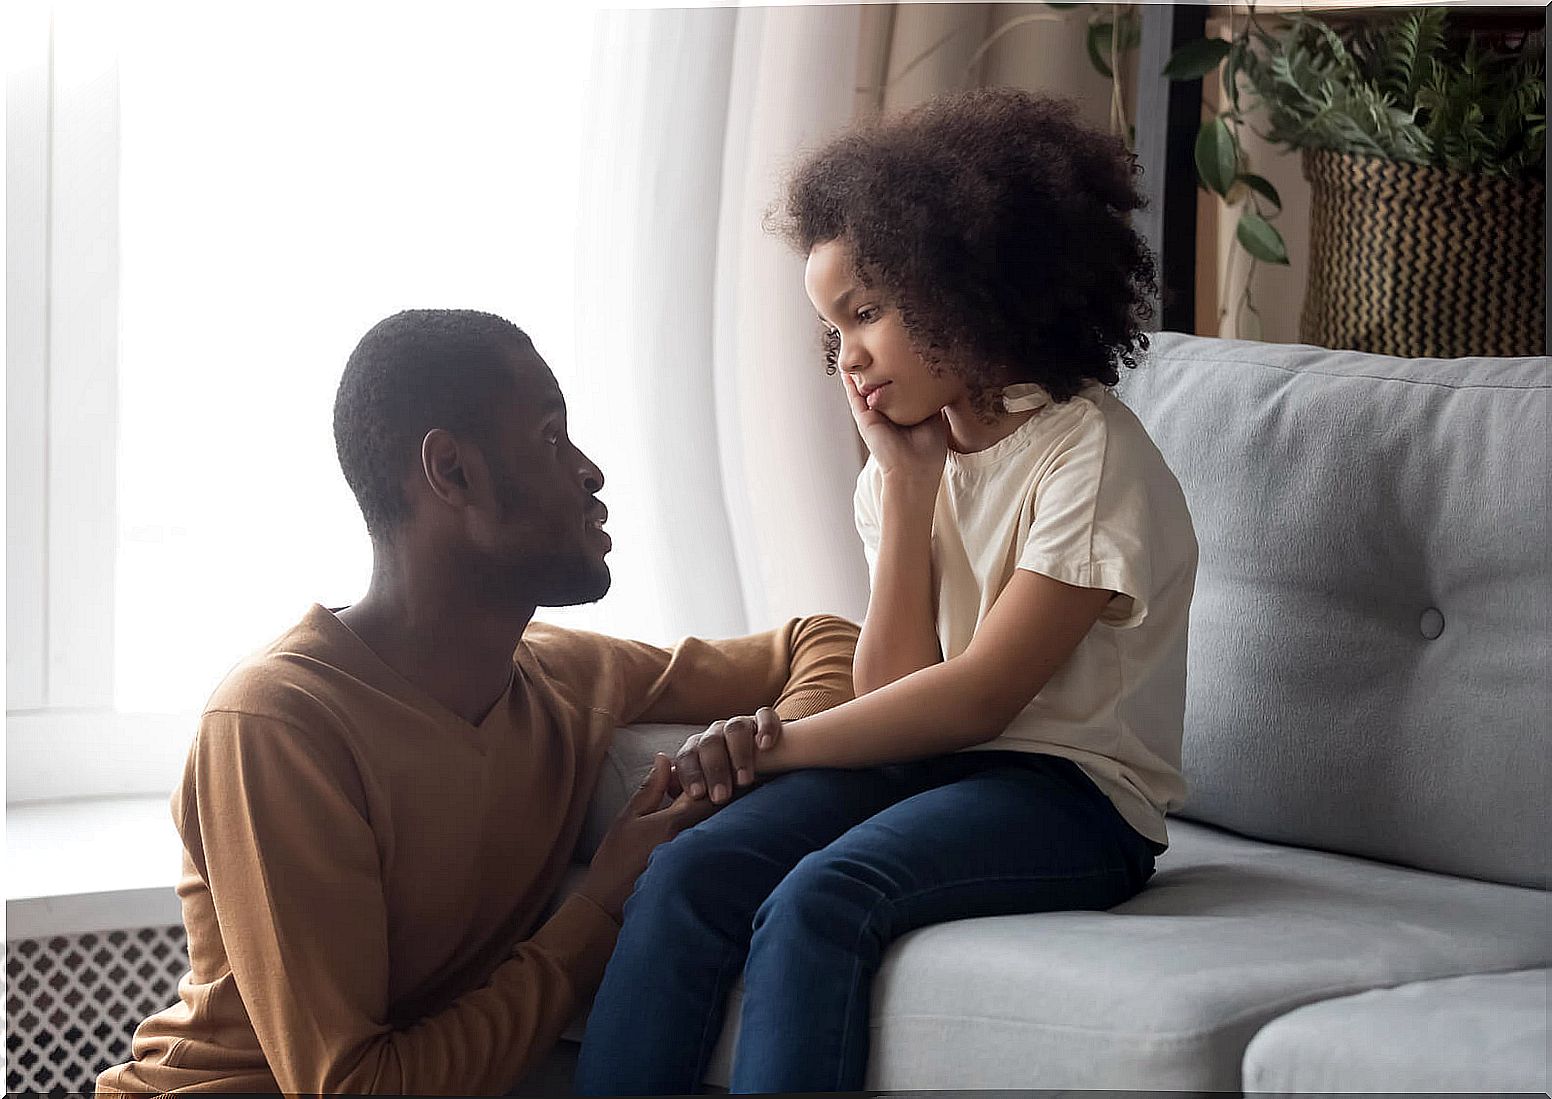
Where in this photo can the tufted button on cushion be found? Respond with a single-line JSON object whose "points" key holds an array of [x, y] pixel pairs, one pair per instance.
{"points": [[1339, 498]]}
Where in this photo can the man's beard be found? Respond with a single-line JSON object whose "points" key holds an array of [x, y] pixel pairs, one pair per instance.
{"points": [[540, 576], [545, 579], [566, 581]]}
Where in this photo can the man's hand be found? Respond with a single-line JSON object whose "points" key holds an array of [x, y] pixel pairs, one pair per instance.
{"points": [[641, 826], [724, 754]]}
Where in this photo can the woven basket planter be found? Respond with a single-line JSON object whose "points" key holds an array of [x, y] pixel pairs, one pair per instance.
{"points": [[1418, 261]]}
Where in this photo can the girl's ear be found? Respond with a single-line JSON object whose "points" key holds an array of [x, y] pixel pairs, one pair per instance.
{"points": [[445, 464]]}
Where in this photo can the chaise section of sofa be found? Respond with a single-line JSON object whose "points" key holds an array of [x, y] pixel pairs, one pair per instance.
{"points": [[1483, 1033], [1165, 992], [1366, 741]]}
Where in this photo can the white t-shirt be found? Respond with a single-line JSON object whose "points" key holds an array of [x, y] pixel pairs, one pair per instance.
{"points": [[1078, 493]]}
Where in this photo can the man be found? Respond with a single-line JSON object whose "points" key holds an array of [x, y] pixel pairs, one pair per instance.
{"points": [[377, 808]]}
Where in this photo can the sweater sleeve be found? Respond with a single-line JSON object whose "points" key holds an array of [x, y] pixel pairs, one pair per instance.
{"points": [[800, 669], [292, 866]]}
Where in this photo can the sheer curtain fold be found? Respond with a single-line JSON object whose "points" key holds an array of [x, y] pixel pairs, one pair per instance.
{"points": [[787, 444], [651, 179], [703, 351]]}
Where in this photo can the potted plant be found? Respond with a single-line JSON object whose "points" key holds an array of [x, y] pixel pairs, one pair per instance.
{"points": [[1425, 153], [1422, 142]]}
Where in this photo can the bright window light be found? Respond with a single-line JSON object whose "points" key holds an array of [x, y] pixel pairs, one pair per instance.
{"points": [[292, 173]]}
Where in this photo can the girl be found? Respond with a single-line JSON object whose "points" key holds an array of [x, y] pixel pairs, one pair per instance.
{"points": [[1020, 677]]}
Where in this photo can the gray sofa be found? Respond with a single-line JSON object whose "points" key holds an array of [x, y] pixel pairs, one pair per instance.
{"points": [[1355, 898]]}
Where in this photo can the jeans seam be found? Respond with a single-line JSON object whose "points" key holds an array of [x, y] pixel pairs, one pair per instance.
{"points": [[1108, 871], [882, 900], [856, 965], [715, 1004]]}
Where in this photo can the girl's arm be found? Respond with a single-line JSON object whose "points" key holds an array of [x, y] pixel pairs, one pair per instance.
{"points": [[899, 635], [1030, 632]]}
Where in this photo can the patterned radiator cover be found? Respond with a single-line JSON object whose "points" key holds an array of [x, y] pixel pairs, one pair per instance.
{"points": [[72, 1002]]}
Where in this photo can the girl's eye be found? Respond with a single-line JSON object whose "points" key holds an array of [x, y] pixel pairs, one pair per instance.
{"points": [[553, 438], [867, 314]]}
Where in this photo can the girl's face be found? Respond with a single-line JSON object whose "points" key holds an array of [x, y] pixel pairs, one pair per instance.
{"points": [[871, 343]]}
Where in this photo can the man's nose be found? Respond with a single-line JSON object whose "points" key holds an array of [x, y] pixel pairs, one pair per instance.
{"points": [[592, 476]]}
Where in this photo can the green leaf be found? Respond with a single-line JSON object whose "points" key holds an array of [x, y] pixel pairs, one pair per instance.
{"points": [[1099, 39], [1217, 159], [1196, 59], [1099, 58], [1231, 71], [1404, 87], [1263, 187], [1260, 239], [1131, 30]]}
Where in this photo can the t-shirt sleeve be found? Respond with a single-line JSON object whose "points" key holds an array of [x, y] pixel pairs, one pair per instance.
{"points": [[293, 868], [865, 509], [1089, 524]]}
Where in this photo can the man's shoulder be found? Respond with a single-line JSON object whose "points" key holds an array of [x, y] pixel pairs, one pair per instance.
{"points": [[290, 709], [578, 668], [274, 685], [296, 679], [568, 655]]}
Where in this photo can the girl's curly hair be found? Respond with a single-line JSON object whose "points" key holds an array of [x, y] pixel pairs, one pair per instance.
{"points": [[997, 224]]}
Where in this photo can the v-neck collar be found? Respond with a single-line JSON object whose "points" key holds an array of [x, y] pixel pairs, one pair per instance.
{"points": [[362, 661]]}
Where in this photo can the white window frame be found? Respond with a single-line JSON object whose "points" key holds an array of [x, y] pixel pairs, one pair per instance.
{"points": [[63, 737]]}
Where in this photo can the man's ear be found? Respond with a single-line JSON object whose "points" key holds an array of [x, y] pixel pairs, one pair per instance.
{"points": [[451, 469]]}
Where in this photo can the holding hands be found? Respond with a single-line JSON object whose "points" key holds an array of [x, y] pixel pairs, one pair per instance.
{"points": [[700, 779], [711, 763], [641, 826]]}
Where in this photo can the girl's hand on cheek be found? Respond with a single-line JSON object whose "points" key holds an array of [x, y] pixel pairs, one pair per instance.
{"points": [[915, 454]]}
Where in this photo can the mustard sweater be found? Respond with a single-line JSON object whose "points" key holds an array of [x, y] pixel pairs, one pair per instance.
{"points": [[364, 872]]}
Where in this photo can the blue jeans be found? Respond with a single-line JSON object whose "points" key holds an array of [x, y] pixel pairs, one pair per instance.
{"points": [[803, 882]]}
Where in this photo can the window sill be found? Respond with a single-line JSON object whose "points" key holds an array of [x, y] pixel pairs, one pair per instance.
{"points": [[90, 865]]}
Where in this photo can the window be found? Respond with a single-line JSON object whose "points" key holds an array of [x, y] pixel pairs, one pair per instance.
{"points": [[231, 196]]}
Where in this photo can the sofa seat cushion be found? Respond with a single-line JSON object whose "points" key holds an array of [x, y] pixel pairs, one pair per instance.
{"points": [[1483, 1033], [1166, 991]]}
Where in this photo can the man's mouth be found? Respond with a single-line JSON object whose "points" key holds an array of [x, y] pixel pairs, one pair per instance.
{"points": [[595, 522]]}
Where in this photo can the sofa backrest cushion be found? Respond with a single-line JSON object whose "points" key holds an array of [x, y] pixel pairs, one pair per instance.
{"points": [[1370, 657]]}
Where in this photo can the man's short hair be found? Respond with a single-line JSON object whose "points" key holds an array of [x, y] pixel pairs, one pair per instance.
{"points": [[415, 371]]}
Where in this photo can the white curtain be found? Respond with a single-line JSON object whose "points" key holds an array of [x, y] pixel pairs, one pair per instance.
{"points": [[696, 349], [788, 448]]}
